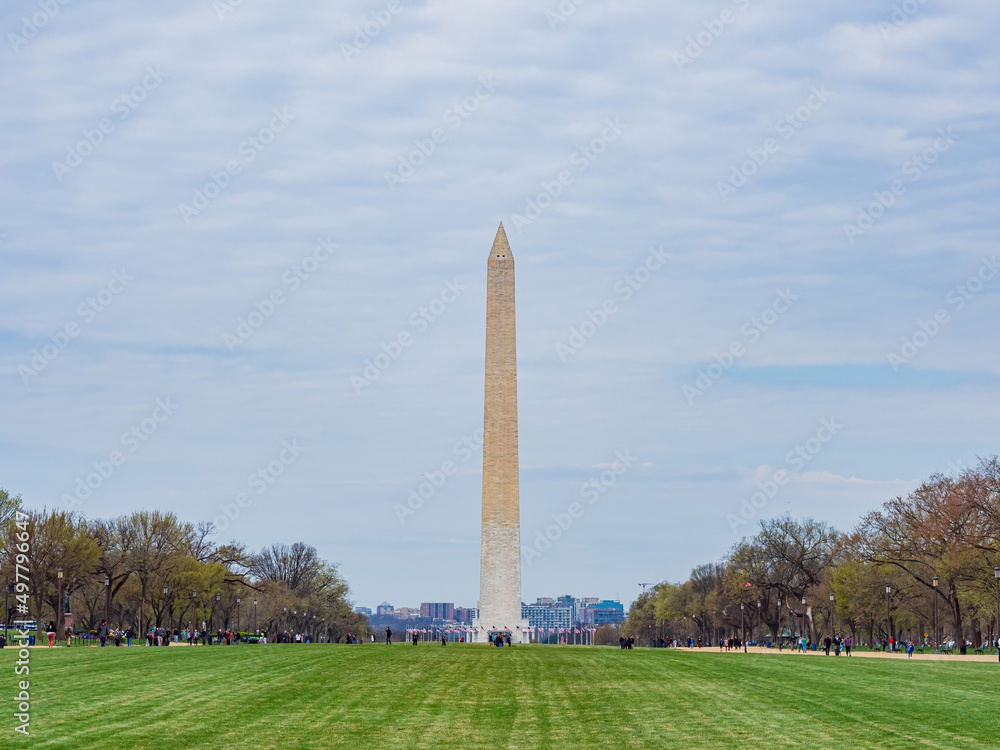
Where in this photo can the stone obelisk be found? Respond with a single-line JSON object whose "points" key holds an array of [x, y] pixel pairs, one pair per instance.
{"points": [[500, 561]]}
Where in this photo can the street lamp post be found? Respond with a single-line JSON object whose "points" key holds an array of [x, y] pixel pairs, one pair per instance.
{"points": [[237, 619], [996, 574], [937, 638], [779, 624], [888, 616], [255, 617], [107, 598], [166, 591], [833, 616], [743, 628], [803, 618], [60, 616], [758, 623], [194, 620], [59, 606], [218, 599]]}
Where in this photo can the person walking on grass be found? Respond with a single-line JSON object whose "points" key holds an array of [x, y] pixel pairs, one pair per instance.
{"points": [[102, 633], [847, 646], [909, 649], [827, 642], [388, 636], [51, 630]]}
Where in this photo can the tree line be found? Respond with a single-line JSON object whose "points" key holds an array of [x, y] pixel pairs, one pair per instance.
{"points": [[924, 559], [151, 569]]}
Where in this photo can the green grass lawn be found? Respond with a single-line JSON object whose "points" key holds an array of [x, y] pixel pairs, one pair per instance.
{"points": [[374, 696]]}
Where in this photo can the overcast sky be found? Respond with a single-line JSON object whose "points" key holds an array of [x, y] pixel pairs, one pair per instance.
{"points": [[731, 221]]}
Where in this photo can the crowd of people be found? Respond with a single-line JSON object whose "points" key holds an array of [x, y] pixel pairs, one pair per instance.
{"points": [[163, 636]]}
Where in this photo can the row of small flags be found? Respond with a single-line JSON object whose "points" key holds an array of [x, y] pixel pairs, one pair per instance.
{"points": [[571, 631]]}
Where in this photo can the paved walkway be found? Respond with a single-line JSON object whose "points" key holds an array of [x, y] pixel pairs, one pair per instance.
{"points": [[862, 654]]}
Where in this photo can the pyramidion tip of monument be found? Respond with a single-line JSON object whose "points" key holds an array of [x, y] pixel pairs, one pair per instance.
{"points": [[500, 244]]}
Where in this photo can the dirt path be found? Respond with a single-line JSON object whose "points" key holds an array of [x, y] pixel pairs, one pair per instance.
{"points": [[862, 654]]}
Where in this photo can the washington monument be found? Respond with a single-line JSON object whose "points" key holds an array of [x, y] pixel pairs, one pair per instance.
{"points": [[500, 561]]}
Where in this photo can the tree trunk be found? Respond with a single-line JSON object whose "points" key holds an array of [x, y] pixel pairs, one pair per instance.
{"points": [[956, 614]]}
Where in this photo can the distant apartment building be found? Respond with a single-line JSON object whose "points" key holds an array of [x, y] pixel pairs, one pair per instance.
{"points": [[438, 610], [547, 613], [366, 611], [466, 614], [581, 605], [605, 612], [407, 613], [385, 610]]}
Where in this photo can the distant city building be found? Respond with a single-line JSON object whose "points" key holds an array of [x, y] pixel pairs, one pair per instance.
{"points": [[438, 610], [384, 610], [547, 613], [466, 614], [366, 611], [605, 612], [581, 605], [406, 613]]}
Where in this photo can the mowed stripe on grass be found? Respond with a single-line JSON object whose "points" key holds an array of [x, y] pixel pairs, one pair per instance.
{"points": [[373, 696]]}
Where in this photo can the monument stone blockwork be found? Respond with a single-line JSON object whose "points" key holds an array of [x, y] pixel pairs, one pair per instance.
{"points": [[500, 555]]}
